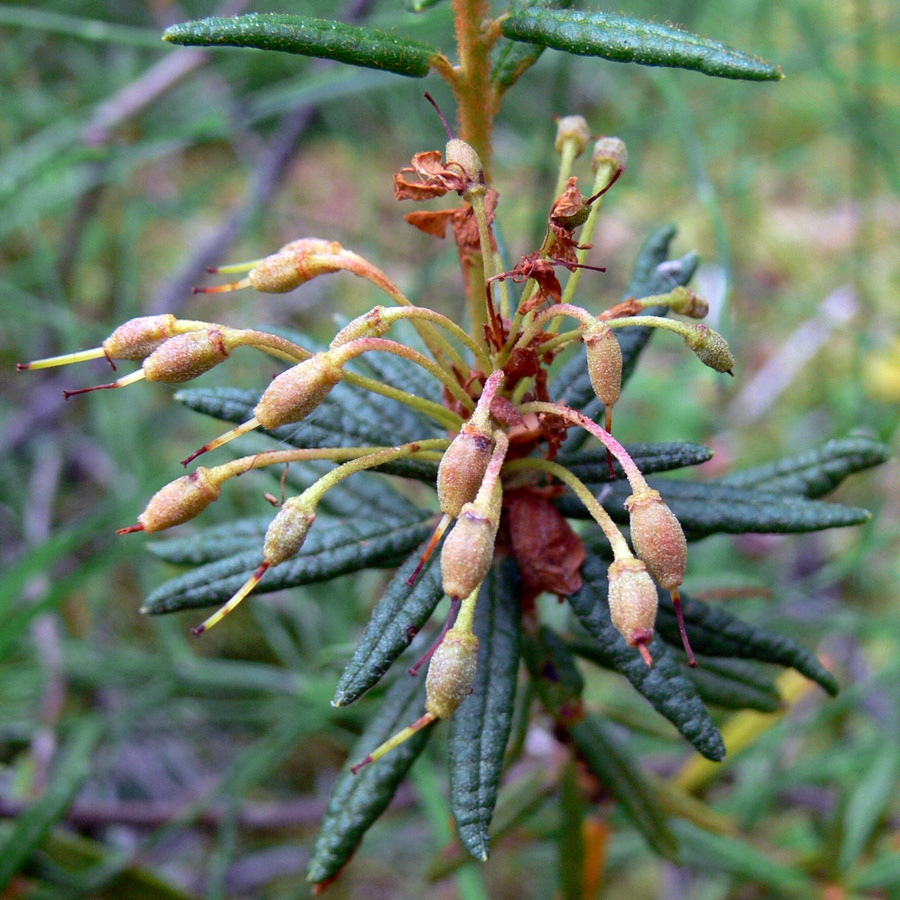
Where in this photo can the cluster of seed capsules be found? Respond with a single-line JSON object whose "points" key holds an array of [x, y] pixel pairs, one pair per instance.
{"points": [[484, 404]]}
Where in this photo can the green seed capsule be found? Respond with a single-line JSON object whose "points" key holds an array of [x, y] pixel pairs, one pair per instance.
{"points": [[451, 673], [462, 468], [138, 338], [179, 501], [459, 153], [711, 348], [288, 530], [604, 362]]}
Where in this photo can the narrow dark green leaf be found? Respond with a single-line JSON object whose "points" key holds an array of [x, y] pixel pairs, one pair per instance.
{"points": [[513, 58], [714, 632], [663, 684], [358, 800], [616, 769], [352, 44], [733, 684], [70, 770], [326, 554], [590, 465], [728, 683], [709, 507], [815, 472], [627, 39], [349, 417], [556, 678], [570, 834], [218, 542], [395, 621], [480, 728]]}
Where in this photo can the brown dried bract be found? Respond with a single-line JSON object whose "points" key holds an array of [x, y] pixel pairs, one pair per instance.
{"points": [[629, 307], [435, 179], [548, 552]]}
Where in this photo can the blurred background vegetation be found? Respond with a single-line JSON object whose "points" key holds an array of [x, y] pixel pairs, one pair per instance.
{"points": [[137, 763]]}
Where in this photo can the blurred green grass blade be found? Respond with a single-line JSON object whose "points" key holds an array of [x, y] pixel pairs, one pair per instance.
{"points": [[867, 803], [570, 837], [628, 39], [354, 45], [326, 554], [815, 472], [29, 16], [733, 684], [616, 769], [480, 728], [705, 851], [71, 768], [664, 685], [358, 800], [397, 617]]}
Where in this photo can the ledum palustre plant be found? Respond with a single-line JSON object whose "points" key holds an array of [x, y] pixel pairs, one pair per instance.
{"points": [[508, 413]]}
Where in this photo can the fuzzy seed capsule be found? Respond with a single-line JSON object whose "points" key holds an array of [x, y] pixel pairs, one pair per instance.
{"points": [[610, 150], [294, 264], [468, 551], [604, 362], [138, 338], [185, 356], [711, 348], [461, 154], [451, 673], [632, 601], [296, 392], [288, 530], [658, 538], [179, 501], [572, 129], [462, 468], [686, 303]]}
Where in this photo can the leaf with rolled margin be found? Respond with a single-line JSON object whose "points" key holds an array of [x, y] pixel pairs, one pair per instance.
{"points": [[513, 58], [358, 800], [663, 684], [354, 45], [479, 729], [815, 472], [590, 465], [709, 507], [714, 632], [348, 417], [326, 553], [629, 39], [395, 621]]}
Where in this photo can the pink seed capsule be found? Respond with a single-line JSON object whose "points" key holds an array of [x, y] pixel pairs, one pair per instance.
{"points": [[468, 551], [294, 264], [658, 538], [462, 468], [138, 338], [633, 603]]}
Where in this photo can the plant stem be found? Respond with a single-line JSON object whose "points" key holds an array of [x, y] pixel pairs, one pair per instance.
{"points": [[472, 87]]}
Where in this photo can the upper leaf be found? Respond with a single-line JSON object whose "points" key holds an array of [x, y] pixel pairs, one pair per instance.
{"points": [[626, 39], [352, 44]]}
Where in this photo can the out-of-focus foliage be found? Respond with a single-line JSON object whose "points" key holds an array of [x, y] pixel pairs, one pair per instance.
{"points": [[188, 770]]}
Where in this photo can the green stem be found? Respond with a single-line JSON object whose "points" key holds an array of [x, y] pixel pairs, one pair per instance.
{"points": [[446, 417], [465, 619], [279, 347], [346, 352], [476, 197], [580, 489]]}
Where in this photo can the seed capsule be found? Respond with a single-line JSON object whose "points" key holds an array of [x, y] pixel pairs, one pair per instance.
{"points": [[294, 264], [632, 603], [459, 153], [572, 129], [658, 538], [468, 551], [287, 531], [462, 468], [138, 338], [711, 348], [451, 673], [178, 502], [295, 393], [185, 356], [604, 362]]}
